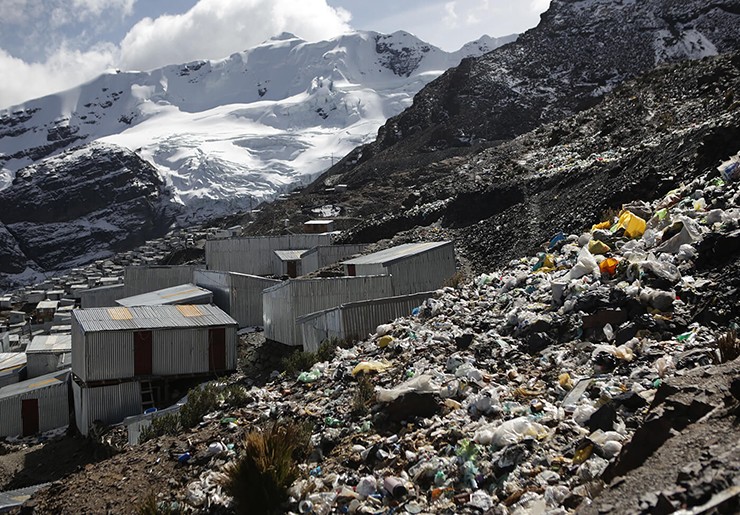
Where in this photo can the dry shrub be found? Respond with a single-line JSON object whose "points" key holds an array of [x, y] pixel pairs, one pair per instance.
{"points": [[729, 346], [260, 479], [363, 396]]}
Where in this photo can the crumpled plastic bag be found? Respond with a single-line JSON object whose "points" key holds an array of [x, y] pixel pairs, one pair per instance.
{"points": [[690, 233], [585, 265], [510, 432], [365, 367], [633, 225], [423, 383], [662, 269]]}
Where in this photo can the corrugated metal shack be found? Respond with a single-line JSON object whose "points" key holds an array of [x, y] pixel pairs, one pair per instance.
{"points": [[48, 353], [143, 279], [102, 297], [287, 301], [355, 320], [254, 255], [122, 343], [287, 263], [415, 267], [240, 295], [12, 367], [108, 404], [325, 255], [35, 406], [180, 294]]}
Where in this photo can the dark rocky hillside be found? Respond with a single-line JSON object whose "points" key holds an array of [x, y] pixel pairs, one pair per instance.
{"points": [[580, 51], [83, 204]]}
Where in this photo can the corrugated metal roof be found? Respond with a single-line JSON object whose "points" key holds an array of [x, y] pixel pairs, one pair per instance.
{"points": [[289, 255], [180, 294], [396, 253], [151, 317], [12, 360], [15, 498], [35, 384], [48, 304], [50, 343]]}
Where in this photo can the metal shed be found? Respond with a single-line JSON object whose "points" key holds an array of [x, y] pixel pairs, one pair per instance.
{"points": [[107, 404], [35, 406], [325, 255], [287, 263], [142, 279], [240, 295], [12, 367], [287, 301], [180, 294], [46, 354], [151, 341], [254, 255], [415, 267], [102, 297], [318, 226], [355, 320]]}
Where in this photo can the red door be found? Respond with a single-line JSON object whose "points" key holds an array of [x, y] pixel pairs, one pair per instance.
{"points": [[30, 416], [292, 269], [143, 353], [351, 271], [217, 348]]}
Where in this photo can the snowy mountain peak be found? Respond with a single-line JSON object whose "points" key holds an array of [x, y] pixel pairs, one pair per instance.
{"points": [[226, 134]]}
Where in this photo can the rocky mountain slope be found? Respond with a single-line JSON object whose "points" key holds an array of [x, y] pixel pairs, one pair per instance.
{"points": [[228, 134], [80, 205], [581, 50]]}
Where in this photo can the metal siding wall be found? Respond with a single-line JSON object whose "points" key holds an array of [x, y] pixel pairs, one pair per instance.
{"points": [[77, 397], [143, 279], [78, 351], [103, 297], [180, 351], [254, 255], [53, 407], [423, 272], [246, 298], [231, 340], [336, 253], [310, 261], [10, 417], [356, 320], [41, 363], [109, 404], [217, 282], [110, 355], [301, 297], [53, 410], [370, 269]]}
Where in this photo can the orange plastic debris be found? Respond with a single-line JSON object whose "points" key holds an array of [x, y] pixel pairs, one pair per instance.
{"points": [[609, 266]]}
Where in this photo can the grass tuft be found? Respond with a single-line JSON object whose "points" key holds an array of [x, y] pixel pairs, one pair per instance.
{"points": [[729, 346], [260, 479]]}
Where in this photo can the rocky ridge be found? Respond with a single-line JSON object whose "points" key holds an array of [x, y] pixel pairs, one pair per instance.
{"points": [[581, 50], [88, 203]]}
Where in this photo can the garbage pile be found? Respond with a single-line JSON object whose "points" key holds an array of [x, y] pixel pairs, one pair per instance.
{"points": [[513, 393]]}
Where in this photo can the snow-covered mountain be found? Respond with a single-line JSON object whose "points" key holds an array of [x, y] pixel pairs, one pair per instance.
{"points": [[227, 134]]}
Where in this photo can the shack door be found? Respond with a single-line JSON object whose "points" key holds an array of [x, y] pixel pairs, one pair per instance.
{"points": [[142, 353], [351, 270], [30, 416], [217, 348], [292, 269]]}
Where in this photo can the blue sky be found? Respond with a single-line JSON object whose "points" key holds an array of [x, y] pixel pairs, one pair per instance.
{"points": [[50, 45]]}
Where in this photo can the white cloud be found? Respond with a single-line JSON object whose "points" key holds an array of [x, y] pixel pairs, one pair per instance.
{"points": [[97, 7], [217, 28], [450, 14], [63, 69]]}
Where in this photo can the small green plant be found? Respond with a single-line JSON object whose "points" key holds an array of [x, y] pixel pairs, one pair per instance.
{"points": [[235, 395], [729, 346], [168, 424], [260, 479], [300, 361], [150, 506], [201, 401]]}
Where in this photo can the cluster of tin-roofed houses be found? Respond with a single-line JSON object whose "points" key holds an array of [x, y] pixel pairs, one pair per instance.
{"points": [[123, 349]]}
